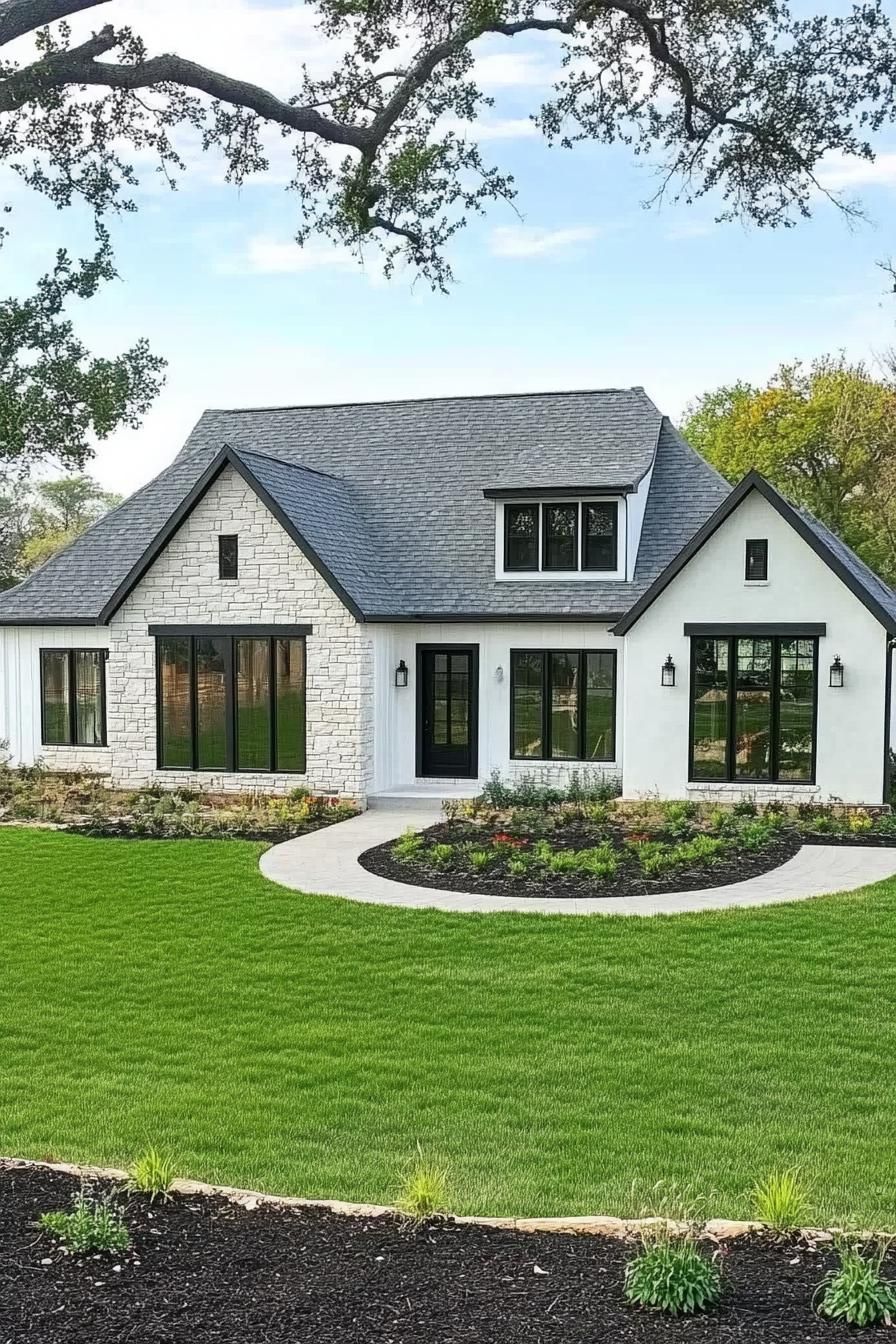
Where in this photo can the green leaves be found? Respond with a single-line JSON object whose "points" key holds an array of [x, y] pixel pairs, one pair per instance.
{"points": [[671, 1274], [856, 1292]]}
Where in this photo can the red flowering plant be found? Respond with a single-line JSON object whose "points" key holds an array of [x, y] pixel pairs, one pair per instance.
{"points": [[638, 837], [512, 841]]}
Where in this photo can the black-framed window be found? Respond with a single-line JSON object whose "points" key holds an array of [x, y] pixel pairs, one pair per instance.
{"points": [[521, 536], [561, 537], [231, 702], [754, 708], [73, 697], [228, 557], [599, 535], [756, 560], [563, 704]]}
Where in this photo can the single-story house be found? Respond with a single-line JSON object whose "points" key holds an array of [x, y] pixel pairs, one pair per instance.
{"points": [[382, 598]]}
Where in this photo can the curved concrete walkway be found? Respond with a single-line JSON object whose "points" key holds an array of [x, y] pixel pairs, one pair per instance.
{"points": [[326, 863]]}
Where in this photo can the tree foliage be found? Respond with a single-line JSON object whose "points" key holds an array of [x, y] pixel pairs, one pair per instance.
{"points": [[38, 520], [825, 434], [739, 99]]}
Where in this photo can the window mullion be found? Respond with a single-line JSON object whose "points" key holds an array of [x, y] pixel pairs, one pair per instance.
{"points": [[194, 708], [775, 711], [229, 702], [547, 695], [730, 746], [272, 696], [582, 703], [72, 700]]}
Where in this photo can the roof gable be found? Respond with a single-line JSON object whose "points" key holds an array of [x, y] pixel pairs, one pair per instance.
{"points": [[862, 582]]}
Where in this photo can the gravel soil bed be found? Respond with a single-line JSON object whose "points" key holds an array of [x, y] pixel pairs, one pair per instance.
{"points": [[205, 1271], [628, 880]]}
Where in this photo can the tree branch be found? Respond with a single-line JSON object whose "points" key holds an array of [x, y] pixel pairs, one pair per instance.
{"points": [[18, 17]]}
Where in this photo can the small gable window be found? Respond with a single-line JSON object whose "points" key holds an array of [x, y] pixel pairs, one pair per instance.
{"points": [[756, 564], [521, 536], [228, 557], [599, 536]]}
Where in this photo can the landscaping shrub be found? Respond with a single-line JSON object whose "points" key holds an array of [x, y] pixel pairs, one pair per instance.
{"points": [[480, 859], [856, 1292], [408, 845], [92, 1225], [782, 1201], [424, 1188], [671, 1274], [440, 855], [152, 1173]]}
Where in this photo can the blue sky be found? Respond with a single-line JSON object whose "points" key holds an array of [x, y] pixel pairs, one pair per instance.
{"points": [[588, 289]]}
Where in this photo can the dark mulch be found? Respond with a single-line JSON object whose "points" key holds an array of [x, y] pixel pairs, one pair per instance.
{"points": [[629, 880], [203, 1271]]}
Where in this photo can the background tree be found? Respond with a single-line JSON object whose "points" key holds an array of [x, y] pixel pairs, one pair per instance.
{"points": [[824, 434], [36, 521], [733, 97]]}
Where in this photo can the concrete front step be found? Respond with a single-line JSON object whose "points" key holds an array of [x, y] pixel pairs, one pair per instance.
{"points": [[426, 796]]}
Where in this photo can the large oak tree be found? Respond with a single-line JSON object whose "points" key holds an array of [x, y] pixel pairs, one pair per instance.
{"points": [[737, 99]]}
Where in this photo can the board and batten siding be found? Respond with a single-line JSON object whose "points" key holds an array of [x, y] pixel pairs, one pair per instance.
{"points": [[801, 588], [395, 714], [20, 647]]}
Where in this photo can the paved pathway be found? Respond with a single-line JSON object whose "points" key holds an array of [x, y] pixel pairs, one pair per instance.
{"points": [[326, 862]]}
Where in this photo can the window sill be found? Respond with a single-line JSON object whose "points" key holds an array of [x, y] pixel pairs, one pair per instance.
{"points": [[751, 785], [756, 583]]}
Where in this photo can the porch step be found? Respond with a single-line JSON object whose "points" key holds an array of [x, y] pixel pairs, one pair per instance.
{"points": [[424, 797]]}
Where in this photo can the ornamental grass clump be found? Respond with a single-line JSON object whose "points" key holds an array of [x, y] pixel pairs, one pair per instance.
{"points": [[782, 1201], [856, 1292], [92, 1225], [671, 1274], [424, 1188], [152, 1174], [408, 846]]}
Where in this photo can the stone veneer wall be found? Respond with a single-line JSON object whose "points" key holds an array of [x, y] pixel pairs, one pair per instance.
{"points": [[276, 585]]}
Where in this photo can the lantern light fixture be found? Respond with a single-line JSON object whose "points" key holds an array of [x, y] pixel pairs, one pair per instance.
{"points": [[401, 673], [836, 679], [668, 672]]}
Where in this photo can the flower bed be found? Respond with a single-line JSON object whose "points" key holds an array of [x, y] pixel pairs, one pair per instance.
{"points": [[549, 844], [203, 1269], [82, 802]]}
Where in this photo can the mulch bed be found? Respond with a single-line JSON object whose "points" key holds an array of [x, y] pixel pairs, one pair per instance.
{"points": [[201, 1270], [629, 880]]}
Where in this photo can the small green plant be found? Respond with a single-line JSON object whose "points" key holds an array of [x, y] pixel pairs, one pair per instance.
{"points": [[92, 1225], [480, 859], [859, 822], [671, 1274], [440, 855], [152, 1173], [745, 807], [520, 865], [408, 846], [782, 1201], [424, 1188], [856, 1292]]}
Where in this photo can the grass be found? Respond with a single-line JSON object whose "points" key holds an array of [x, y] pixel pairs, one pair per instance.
{"points": [[164, 992]]}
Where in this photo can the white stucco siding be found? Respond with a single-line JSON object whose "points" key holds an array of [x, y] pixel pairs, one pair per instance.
{"points": [[396, 714], [20, 647], [800, 588], [276, 585]]}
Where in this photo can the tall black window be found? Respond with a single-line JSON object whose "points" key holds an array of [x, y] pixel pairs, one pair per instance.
{"points": [[560, 542], [228, 557], [521, 536], [756, 561], [599, 536], [753, 708], [563, 704], [227, 702], [73, 697]]}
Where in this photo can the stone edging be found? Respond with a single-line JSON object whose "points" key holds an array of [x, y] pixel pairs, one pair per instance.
{"points": [[716, 1229]]}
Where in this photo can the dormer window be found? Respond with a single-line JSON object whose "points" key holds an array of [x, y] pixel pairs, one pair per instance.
{"points": [[561, 537], [228, 557], [521, 536], [756, 563]]}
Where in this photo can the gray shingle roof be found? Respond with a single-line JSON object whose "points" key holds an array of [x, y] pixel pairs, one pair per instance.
{"points": [[389, 495], [865, 577]]}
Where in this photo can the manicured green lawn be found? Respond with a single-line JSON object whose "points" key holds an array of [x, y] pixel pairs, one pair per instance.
{"points": [[164, 992]]}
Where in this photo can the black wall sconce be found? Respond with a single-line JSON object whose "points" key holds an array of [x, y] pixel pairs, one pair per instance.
{"points": [[836, 672], [667, 677], [401, 673]]}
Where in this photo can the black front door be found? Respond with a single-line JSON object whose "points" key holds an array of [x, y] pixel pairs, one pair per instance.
{"points": [[447, 689]]}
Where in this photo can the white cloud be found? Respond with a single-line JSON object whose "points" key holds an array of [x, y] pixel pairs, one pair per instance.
{"points": [[839, 171], [273, 256], [523, 240], [515, 69], [695, 228], [490, 128]]}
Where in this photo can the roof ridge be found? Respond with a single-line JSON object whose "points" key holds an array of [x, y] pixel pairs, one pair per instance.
{"points": [[281, 462], [424, 401]]}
